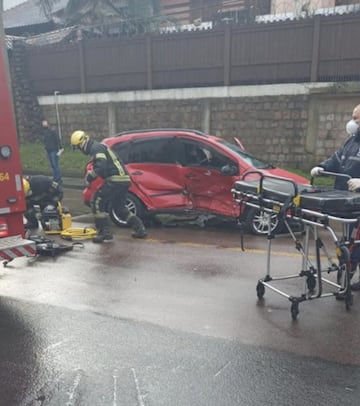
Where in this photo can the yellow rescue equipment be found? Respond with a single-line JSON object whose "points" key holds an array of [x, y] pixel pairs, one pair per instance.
{"points": [[57, 220], [78, 233]]}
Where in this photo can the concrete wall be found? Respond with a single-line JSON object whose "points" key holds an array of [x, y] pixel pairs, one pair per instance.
{"points": [[293, 125], [28, 113]]}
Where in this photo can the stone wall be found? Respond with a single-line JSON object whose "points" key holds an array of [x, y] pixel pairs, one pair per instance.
{"points": [[26, 106], [295, 130]]}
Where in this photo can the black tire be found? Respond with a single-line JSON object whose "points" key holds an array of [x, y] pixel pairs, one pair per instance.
{"points": [[257, 222], [260, 290], [294, 310], [311, 282], [135, 206]]}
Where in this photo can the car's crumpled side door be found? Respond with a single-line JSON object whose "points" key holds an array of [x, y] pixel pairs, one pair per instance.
{"points": [[157, 177], [208, 188]]}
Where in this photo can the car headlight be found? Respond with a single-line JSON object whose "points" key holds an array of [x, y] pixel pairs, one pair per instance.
{"points": [[5, 151]]}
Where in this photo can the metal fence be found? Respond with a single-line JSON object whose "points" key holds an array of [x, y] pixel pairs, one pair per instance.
{"points": [[317, 49]]}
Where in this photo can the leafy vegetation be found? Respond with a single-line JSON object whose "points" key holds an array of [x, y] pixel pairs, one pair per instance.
{"points": [[104, 17], [35, 161]]}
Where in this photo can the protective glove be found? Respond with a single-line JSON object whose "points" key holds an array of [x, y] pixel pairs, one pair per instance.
{"points": [[316, 171], [353, 184], [89, 177]]}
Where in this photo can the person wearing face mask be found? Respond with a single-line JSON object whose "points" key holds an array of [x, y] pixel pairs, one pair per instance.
{"points": [[346, 160]]}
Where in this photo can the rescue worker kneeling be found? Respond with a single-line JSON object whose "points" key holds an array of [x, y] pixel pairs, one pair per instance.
{"points": [[42, 191], [116, 184]]}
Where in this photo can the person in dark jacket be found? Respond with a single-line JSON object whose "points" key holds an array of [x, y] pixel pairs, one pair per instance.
{"points": [[53, 148], [346, 160], [39, 191], [107, 166]]}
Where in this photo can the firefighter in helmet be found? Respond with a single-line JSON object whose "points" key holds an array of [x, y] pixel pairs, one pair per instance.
{"points": [[42, 191], [107, 166]]}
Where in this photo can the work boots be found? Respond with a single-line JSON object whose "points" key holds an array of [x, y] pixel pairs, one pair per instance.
{"points": [[137, 225], [104, 233]]}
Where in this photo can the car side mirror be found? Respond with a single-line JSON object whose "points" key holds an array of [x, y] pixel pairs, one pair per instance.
{"points": [[229, 170]]}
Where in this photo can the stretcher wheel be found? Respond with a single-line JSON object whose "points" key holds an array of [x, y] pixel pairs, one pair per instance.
{"points": [[311, 282], [260, 290], [294, 310]]}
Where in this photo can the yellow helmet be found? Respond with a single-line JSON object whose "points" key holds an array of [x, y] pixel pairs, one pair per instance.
{"points": [[26, 186], [78, 138]]}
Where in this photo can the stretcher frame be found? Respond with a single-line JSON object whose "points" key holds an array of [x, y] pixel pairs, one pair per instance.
{"points": [[312, 222]]}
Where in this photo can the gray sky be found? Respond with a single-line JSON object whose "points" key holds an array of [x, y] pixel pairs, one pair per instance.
{"points": [[11, 3]]}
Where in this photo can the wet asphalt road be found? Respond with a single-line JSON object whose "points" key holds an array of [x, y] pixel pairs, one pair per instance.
{"points": [[172, 320]]}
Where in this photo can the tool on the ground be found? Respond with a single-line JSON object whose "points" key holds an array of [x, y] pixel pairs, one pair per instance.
{"points": [[55, 219], [78, 233], [48, 247]]}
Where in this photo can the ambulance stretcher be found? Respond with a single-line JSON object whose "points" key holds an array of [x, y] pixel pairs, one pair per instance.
{"points": [[337, 212]]}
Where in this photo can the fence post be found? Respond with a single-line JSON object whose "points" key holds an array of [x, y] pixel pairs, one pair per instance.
{"points": [[112, 119], [315, 50], [227, 55], [149, 67], [80, 42], [206, 119]]}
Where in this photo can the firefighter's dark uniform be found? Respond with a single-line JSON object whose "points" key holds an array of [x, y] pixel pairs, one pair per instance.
{"points": [[43, 192], [114, 191]]}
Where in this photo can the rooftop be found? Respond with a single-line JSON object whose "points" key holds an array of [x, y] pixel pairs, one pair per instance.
{"points": [[28, 13]]}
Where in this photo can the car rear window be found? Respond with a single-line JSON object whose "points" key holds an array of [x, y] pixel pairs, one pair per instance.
{"points": [[154, 150]]}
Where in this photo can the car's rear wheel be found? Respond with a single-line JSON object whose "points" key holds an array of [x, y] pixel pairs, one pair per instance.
{"points": [[134, 205], [257, 222]]}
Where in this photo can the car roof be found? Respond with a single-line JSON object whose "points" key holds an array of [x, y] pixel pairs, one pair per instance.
{"points": [[171, 131], [191, 133], [157, 132]]}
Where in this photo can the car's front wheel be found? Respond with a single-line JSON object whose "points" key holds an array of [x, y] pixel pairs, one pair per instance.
{"points": [[134, 205], [257, 221]]}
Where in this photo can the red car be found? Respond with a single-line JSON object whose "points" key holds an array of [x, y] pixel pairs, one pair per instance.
{"points": [[180, 171]]}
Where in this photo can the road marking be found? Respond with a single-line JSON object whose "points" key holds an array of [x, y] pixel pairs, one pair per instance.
{"points": [[52, 346], [234, 249], [115, 376], [222, 368], [139, 396], [74, 388]]}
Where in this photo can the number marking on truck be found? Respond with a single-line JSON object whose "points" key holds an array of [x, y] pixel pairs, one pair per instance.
{"points": [[4, 176]]}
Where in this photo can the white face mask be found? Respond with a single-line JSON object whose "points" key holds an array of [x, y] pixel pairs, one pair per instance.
{"points": [[352, 127]]}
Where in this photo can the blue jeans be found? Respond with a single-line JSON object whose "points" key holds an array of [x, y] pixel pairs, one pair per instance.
{"points": [[54, 162]]}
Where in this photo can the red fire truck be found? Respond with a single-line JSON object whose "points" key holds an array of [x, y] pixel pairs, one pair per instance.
{"points": [[12, 200]]}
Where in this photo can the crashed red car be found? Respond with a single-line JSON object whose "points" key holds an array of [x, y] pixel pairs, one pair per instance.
{"points": [[180, 171]]}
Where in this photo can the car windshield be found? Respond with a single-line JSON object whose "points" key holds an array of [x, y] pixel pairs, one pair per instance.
{"points": [[250, 159]]}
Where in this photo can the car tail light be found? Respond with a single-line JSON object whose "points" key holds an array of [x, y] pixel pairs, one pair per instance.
{"points": [[4, 230]]}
